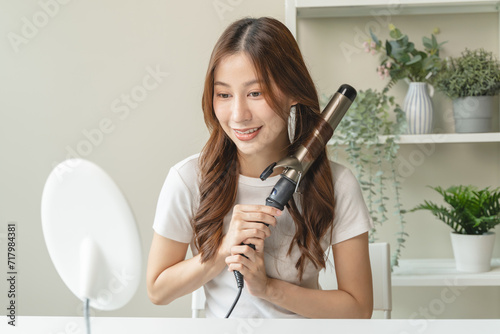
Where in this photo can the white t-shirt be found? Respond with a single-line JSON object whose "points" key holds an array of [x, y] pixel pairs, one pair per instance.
{"points": [[178, 203]]}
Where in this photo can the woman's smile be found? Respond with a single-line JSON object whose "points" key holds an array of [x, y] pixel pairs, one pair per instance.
{"points": [[247, 134]]}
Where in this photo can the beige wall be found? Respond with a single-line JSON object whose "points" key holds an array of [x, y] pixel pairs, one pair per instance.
{"points": [[69, 75]]}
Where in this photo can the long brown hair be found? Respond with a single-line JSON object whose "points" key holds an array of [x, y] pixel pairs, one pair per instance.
{"points": [[282, 72]]}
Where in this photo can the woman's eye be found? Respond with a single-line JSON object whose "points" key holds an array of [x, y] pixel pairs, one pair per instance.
{"points": [[222, 95], [255, 94]]}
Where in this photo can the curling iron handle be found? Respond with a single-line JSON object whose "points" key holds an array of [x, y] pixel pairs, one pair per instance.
{"points": [[282, 192]]}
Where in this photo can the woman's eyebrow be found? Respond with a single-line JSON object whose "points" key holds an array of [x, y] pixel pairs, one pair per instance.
{"points": [[251, 82], [220, 83], [246, 84]]}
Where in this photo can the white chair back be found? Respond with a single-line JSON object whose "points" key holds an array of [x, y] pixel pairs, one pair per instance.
{"points": [[198, 302], [380, 261]]}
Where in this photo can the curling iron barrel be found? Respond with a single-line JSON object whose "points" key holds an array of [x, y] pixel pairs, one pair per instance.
{"points": [[297, 164]]}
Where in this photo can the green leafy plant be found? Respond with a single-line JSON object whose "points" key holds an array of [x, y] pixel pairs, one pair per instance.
{"points": [[469, 211], [402, 60], [373, 158], [474, 73]]}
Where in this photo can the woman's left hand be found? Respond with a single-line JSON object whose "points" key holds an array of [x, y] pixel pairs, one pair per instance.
{"points": [[250, 263]]}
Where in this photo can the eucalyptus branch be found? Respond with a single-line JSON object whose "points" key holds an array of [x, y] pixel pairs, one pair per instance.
{"points": [[391, 150], [358, 133], [402, 60]]}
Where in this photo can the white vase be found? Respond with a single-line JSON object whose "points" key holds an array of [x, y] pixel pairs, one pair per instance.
{"points": [[418, 109], [473, 252]]}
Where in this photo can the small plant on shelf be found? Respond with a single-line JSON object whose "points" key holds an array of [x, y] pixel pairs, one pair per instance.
{"points": [[472, 214], [474, 73], [471, 81], [469, 211], [358, 134], [401, 60]]}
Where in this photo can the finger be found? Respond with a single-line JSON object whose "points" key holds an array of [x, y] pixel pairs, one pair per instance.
{"points": [[238, 262], [258, 230], [238, 267], [258, 243], [260, 208], [253, 220], [259, 217], [238, 258], [243, 250]]}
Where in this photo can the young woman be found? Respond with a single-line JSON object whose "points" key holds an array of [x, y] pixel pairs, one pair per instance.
{"points": [[213, 201]]}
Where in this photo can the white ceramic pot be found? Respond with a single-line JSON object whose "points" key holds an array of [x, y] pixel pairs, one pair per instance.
{"points": [[473, 252]]}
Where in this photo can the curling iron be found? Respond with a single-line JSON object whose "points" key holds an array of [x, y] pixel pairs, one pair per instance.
{"points": [[296, 165]]}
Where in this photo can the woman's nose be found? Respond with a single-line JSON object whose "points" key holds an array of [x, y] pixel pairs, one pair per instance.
{"points": [[241, 112]]}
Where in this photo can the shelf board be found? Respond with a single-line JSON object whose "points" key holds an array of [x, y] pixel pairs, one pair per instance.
{"points": [[381, 10], [488, 137], [346, 8], [442, 272], [444, 138]]}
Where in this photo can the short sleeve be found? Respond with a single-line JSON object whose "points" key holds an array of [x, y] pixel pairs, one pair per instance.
{"points": [[351, 214], [174, 210]]}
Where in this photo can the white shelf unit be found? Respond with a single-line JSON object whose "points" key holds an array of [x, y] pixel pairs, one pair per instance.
{"points": [[413, 272], [296, 9], [444, 138], [442, 272]]}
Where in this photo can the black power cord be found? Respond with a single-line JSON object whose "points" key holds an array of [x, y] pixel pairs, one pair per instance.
{"points": [[240, 284], [279, 197]]}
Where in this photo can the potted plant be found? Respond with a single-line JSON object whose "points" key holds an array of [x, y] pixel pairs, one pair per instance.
{"points": [[358, 134], [471, 80], [401, 60], [472, 214]]}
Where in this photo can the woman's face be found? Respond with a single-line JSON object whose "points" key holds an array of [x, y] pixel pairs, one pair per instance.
{"points": [[242, 110]]}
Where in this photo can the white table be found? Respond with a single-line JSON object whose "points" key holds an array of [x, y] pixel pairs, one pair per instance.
{"points": [[419, 272], [442, 272], [104, 325]]}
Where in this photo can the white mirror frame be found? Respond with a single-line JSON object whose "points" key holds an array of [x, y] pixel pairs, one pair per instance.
{"points": [[91, 234]]}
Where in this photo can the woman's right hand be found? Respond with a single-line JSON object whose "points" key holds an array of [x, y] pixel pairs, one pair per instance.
{"points": [[248, 225]]}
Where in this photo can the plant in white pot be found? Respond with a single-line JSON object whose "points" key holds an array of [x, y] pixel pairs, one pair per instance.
{"points": [[472, 214], [471, 81], [403, 61]]}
